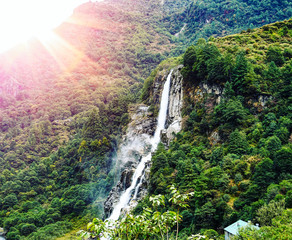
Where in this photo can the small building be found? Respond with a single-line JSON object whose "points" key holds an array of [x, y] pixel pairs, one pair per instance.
{"points": [[232, 230]]}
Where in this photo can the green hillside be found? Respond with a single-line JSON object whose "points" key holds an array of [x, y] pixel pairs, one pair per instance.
{"points": [[221, 17], [233, 158], [245, 172], [64, 106]]}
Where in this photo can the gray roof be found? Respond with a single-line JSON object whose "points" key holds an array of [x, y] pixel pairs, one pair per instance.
{"points": [[233, 228]]}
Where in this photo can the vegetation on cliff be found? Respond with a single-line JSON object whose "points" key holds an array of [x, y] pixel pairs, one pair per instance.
{"points": [[220, 17], [63, 106], [235, 155], [244, 172]]}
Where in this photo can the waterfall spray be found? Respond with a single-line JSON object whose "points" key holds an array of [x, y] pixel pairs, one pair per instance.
{"points": [[131, 193]]}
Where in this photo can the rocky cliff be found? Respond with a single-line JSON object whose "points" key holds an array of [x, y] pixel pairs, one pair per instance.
{"points": [[136, 142], [174, 118]]}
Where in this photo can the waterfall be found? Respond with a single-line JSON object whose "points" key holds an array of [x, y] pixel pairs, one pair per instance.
{"points": [[128, 196]]}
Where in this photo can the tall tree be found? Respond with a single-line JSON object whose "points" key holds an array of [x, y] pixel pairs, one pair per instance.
{"points": [[237, 143]]}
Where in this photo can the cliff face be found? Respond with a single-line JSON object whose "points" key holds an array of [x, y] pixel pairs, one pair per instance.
{"points": [[174, 118], [136, 142]]}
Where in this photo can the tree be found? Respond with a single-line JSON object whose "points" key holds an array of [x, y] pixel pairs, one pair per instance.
{"points": [[206, 54], [148, 225], [264, 173], [159, 162], [288, 199], [273, 144], [250, 83], [237, 143], [239, 72], [205, 216], [283, 134], [228, 91], [217, 155], [231, 112], [93, 127], [27, 229], [180, 201], [274, 54], [10, 200], [283, 160], [285, 88], [189, 57], [13, 235], [281, 229], [270, 124], [273, 75], [266, 213], [184, 168], [219, 69]]}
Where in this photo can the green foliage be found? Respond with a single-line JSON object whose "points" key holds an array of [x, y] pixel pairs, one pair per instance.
{"points": [[234, 149], [274, 54], [264, 173], [239, 72], [190, 57], [204, 62], [280, 229], [231, 112], [283, 160], [288, 200], [51, 231], [56, 145], [147, 86], [212, 18], [266, 213], [63, 110], [237, 143], [10, 200], [26, 229], [151, 224], [273, 144]]}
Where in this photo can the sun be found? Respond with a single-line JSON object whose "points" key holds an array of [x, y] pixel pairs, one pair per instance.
{"points": [[23, 19]]}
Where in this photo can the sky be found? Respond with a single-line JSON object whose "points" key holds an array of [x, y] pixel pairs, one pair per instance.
{"points": [[22, 19]]}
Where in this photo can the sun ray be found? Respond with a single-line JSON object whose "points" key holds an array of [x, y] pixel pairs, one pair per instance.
{"points": [[20, 20], [65, 54]]}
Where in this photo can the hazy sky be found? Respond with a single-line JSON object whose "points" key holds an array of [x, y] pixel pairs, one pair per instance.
{"points": [[21, 19]]}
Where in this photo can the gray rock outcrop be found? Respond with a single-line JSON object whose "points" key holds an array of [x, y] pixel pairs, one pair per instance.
{"points": [[115, 193], [174, 118], [136, 142]]}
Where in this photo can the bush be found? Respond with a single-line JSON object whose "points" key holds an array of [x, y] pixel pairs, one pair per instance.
{"points": [[274, 54], [27, 229]]}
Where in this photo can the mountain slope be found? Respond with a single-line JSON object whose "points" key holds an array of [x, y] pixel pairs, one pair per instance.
{"points": [[219, 17], [63, 107], [234, 152]]}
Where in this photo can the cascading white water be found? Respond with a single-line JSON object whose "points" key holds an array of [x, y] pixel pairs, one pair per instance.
{"points": [[125, 198]]}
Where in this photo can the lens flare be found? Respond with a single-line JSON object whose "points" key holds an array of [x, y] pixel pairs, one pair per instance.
{"points": [[22, 19]]}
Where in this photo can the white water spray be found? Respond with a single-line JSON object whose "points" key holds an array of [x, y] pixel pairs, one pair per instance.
{"points": [[126, 197]]}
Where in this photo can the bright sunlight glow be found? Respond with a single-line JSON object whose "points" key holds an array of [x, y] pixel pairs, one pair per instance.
{"points": [[22, 19]]}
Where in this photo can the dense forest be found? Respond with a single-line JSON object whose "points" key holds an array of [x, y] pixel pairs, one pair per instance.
{"points": [[233, 159], [63, 108], [219, 17]]}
